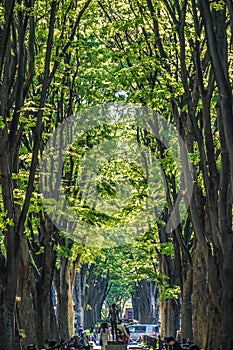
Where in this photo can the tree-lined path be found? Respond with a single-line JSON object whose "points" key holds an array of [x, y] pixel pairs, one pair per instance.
{"points": [[125, 209]]}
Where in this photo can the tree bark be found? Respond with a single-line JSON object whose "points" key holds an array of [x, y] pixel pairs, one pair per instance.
{"points": [[62, 287], [95, 294], [25, 306], [200, 298], [170, 317], [145, 304]]}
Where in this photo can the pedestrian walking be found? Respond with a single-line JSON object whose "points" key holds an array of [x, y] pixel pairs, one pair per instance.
{"points": [[104, 335]]}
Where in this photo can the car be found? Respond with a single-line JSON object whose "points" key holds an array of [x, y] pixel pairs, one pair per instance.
{"points": [[137, 331]]}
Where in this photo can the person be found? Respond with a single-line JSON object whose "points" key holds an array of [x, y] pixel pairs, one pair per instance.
{"points": [[96, 332], [72, 344], [79, 330], [194, 347], [84, 341], [122, 334], [172, 344], [104, 335]]}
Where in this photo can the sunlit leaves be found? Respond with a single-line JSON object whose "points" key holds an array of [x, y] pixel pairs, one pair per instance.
{"points": [[168, 292]]}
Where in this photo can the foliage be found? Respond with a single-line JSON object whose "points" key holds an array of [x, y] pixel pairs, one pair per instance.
{"points": [[60, 58]]}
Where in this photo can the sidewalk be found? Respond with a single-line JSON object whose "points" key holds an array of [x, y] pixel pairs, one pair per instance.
{"points": [[98, 347]]}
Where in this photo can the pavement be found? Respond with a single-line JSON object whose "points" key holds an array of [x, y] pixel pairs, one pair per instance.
{"points": [[133, 347]]}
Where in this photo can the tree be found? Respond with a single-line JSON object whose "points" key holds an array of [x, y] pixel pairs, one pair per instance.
{"points": [[25, 81], [193, 78], [14, 76], [50, 67]]}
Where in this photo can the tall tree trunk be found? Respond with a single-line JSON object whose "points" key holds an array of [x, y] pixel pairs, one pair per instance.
{"points": [[186, 304], [170, 317], [62, 281], [25, 307], [12, 241], [42, 294], [79, 292], [169, 308], [200, 300], [95, 294], [144, 302]]}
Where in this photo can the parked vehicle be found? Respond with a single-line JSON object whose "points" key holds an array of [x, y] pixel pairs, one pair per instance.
{"points": [[137, 331]]}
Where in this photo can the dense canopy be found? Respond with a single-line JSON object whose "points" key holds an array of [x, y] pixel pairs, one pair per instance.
{"points": [[116, 166]]}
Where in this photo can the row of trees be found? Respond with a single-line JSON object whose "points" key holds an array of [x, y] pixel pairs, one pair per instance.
{"points": [[59, 57], [36, 39], [116, 276]]}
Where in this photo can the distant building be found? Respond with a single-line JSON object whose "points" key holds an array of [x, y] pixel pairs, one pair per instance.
{"points": [[129, 313]]}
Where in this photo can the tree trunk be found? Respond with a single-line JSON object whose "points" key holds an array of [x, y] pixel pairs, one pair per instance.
{"points": [[25, 306], [46, 327], [169, 308], [95, 294], [12, 243], [170, 317], [89, 293], [226, 312], [186, 304], [62, 288], [144, 302], [79, 292], [200, 299]]}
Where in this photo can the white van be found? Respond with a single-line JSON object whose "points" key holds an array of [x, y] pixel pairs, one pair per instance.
{"points": [[137, 331]]}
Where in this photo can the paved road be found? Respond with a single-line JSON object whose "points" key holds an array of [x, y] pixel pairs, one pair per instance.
{"points": [[132, 347]]}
